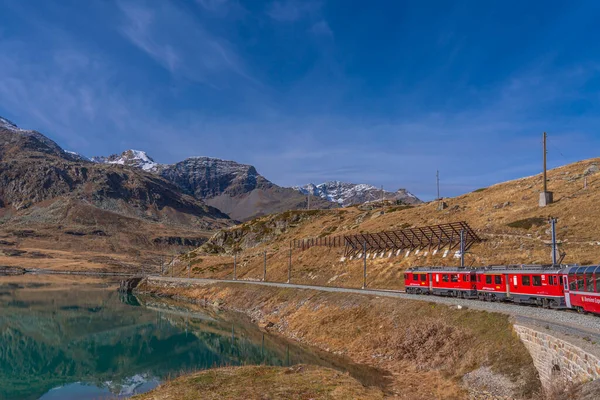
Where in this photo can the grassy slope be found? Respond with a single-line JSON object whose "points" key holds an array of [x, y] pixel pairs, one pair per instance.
{"points": [[426, 348], [260, 382], [501, 215]]}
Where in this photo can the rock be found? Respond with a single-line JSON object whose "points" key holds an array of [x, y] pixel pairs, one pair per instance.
{"points": [[592, 169], [377, 214]]}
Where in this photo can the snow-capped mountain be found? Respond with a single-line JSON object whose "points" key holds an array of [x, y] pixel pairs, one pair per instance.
{"points": [[346, 194], [234, 188], [6, 124], [30, 137], [131, 158]]}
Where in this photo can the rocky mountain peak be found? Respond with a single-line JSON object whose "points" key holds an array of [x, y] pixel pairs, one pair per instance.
{"points": [[346, 194], [6, 124], [131, 158]]}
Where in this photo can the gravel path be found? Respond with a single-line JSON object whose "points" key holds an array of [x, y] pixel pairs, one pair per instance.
{"points": [[567, 322]]}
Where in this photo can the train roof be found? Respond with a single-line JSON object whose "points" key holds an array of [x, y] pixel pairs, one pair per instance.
{"points": [[517, 268], [582, 269]]}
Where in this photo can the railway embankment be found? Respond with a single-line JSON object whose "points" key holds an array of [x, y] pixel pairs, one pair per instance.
{"points": [[429, 350]]}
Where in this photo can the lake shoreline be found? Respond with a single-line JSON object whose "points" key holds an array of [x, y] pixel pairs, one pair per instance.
{"points": [[375, 331]]}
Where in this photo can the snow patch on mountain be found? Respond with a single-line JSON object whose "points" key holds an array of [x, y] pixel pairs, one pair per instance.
{"points": [[347, 194], [132, 158], [76, 156], [4, 123]]}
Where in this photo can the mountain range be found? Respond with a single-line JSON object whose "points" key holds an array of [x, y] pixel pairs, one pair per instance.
{"points": [[128, 201], [347, 194], [241, 192], [236, 189]]}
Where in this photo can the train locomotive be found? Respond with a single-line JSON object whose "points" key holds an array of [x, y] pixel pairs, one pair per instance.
{"points": [[549, 286]]}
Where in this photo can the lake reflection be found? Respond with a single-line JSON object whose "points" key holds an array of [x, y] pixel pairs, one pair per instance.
{"points": [[85, 341]]}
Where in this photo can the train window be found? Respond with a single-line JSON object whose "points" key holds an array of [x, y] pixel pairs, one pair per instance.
{"points": [[580, 283], [454, 278], [537, 280], [445, 278], [423, 278], [466, 278], [488, 279], [497, 279], [573, 284], [526, 280], [561, 280], [598, 282], [589, 280], [416, 277]]}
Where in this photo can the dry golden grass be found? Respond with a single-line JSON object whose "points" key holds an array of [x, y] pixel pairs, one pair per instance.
{"points": [[262, 383], [492, 212], [426, 348]]}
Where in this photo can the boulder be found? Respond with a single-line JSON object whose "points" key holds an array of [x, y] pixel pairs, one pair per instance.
{"points": [[592, 169]]}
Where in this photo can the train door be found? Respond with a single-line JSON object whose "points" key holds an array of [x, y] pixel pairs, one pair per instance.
{"points": [[430, 282], [566, 288], [507, 279]]}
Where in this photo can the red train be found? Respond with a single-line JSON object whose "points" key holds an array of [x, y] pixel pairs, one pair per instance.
{"points": [[551, 286]]}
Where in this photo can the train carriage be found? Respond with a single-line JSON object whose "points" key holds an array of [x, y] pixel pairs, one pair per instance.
{"points": [[456, 282], [417, 282], [528, 284], [582, 288]]}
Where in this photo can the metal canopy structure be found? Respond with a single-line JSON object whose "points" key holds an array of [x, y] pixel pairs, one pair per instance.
{"points": [[435, 237]]}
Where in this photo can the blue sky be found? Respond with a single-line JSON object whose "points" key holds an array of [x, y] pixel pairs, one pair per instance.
{"points": [[382, 92]]}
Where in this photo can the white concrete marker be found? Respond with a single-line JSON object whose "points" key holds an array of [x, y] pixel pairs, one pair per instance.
{"points": [[342, 259], [445, 253], [434, 252], [398, 252]]}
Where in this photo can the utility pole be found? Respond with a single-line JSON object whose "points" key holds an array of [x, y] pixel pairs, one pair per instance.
{"points": [[462, 247], [441, 204], [381, 194], [437, 178], [235, 265], [290, 265], [546, 197], [364, 286], [265, 268], [554, 245]]}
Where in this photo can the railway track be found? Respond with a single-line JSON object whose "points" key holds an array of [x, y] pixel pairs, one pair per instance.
{"points": [[566, 321]]}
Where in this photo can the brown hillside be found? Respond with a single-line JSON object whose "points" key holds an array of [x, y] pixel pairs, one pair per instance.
{"points": [[505, 215], [60, 211]]}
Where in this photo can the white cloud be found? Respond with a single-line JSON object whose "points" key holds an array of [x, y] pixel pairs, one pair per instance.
{"points": [[292, 10], [178, 42], [321, 28]]}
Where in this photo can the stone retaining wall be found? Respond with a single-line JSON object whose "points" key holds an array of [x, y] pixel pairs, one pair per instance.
{"points": [[556, 359]]}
